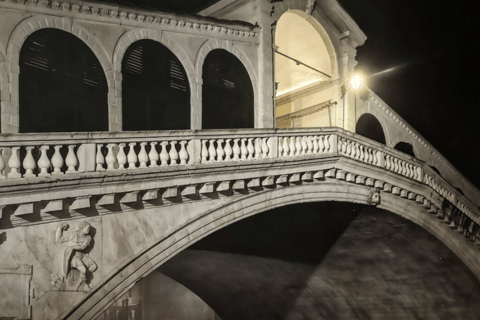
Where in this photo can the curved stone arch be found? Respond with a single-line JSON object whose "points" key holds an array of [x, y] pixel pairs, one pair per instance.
{"points": [[380, 120], [399, 139], [128, 38], [151, 258], [214, 44], [298, 8], [29, 25]]}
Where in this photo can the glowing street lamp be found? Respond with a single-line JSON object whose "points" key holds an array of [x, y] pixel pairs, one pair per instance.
{"points": [[355, 83]]}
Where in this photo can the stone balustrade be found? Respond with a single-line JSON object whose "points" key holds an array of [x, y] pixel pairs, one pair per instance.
{"points": [[32, 157]]}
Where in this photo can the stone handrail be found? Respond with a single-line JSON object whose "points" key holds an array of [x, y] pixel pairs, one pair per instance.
{"points": [[41, 156]]}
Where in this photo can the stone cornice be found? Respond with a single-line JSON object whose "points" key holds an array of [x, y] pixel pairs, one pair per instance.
{"points": [[122, 14]]}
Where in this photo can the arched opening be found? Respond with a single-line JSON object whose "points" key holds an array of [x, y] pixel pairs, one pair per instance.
{"points": [[277, 264], [304, 65], [368, 126], [227, 92], [405, 148], [62, 86], [436, 170], [155, 89]]}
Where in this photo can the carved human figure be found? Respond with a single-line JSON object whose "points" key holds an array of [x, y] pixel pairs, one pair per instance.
{"points": [[74, 257]]}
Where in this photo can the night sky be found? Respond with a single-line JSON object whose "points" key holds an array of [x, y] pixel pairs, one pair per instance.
{"points": [[433, 88]]}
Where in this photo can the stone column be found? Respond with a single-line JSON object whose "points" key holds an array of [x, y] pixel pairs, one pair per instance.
{"points": [[347, 108]]}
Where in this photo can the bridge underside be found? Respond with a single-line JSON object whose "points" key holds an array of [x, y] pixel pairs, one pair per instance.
{"points": [[326, 260]]}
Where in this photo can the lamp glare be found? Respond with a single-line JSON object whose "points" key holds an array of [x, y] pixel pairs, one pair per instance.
{"points": [[356, 82]]}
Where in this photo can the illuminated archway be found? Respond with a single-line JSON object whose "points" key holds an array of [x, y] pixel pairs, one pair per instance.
{"points": [[305, 62]]}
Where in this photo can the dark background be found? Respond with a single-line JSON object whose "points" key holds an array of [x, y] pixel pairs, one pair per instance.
{"points": [[432, 47]]}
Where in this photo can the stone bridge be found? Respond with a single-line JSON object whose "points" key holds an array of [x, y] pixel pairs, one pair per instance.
{"points": [[149, 195], [92, 201]]}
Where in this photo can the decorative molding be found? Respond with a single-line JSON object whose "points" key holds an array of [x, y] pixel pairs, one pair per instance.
{"points": [[121, 14]]}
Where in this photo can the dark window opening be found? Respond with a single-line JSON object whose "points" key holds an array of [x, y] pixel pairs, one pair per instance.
{"points": [[227, 95], [405, 148], [156, 92], [62, 85], [368, 126], [436, 170]]}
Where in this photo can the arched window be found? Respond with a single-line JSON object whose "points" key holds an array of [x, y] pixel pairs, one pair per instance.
{"points": [[155, 89], [368, 126], [227, 94], [405, 148], [62, 85]]}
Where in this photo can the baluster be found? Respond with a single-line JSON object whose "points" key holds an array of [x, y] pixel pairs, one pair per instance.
{"points": [[211, 151], [415, 172], [292, 146], [370, 155], [404, 168], [327, 143], [397, 165], [228, 150], [354, 150], [412, 171], [387, 162], [43, 163], [142, 155], [183, 153], [280, 147], [14, 164], [236, 149], [250, 148], [309, 144], [164, 154], [29, 163], [71, 160], [374, 156], [153, 155], [111, 159], [349, 148], [99, 159], [321, 145], [2, 164], [258, 148], [220, 152], [244, 149], [315, 145], [303, 142], [132, 156], [298, 146], [173, 154], [57, 161], [268, 146], [407, 170], [204, 151], [286, 149], [121, 157]]}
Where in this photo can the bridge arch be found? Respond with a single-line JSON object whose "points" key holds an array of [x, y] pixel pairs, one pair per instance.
{"points": [[193, 230], [235, 50], [27, 27], [370, 126]]}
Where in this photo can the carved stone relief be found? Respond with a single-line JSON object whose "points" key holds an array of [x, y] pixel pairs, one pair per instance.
{"points": [[75, 263], [374, 197]]}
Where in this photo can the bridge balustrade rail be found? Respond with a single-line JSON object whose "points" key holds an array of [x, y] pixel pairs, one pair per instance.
{"points": [[51, 155]]}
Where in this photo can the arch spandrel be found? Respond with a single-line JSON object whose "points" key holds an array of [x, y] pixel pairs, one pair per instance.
{"points": [[194, 229]]}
